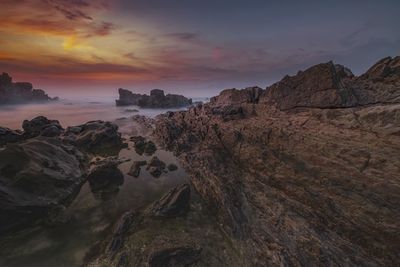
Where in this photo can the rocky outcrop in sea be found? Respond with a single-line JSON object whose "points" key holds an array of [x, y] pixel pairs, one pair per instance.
{"points": [[20, 92], [304, 172], [156, 99]]}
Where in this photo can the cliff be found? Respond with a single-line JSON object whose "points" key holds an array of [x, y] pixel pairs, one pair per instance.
{"points": [[304, 172]]}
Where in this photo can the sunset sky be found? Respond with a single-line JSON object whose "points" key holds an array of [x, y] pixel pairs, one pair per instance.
{"points": [[197, 47]]}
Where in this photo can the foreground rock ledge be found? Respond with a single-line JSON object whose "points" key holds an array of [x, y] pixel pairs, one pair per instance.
{"points": [[303, 173]]}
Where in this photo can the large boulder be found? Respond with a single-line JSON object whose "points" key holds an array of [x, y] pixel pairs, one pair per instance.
{"points": [[105, 178], [97, 137], [38, 177], [41, 126]]}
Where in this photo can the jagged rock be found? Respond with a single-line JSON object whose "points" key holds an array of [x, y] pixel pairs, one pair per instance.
{"points": [[150, 148], [334, 86], [38, 177], [156, 99], [96, 137], [174, 256], [235, 96], [175, 203], [127, 98], [105, 179], [386, 69], [9, 136], [155, 167], [19, 92], [172, 167], [41, 126], [317, 186], [135, 168]]}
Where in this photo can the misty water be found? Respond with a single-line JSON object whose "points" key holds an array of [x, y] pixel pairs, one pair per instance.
{"points": [[91, 216]]}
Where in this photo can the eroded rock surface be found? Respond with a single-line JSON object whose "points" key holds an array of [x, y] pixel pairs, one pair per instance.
{"points": [[175, 203], [307, 174]]}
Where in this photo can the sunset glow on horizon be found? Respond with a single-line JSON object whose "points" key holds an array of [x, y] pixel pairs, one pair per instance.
{"points": [[82, 43]]}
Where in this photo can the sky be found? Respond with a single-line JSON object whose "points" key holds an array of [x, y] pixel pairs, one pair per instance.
{"points": [[197, 48]]}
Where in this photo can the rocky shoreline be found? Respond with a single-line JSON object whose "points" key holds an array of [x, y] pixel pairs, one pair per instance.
{"points": [[302, 173]]}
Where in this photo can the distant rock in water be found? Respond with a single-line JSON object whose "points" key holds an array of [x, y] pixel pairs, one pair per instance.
{"points": [[20, 92], [156, 99]]}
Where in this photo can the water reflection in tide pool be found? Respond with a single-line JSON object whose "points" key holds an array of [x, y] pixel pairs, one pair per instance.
{"points": [[88, 218]]}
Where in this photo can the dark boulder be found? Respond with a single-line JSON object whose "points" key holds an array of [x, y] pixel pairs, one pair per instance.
{"points": [[41, 126], [38, 177], [172, 167], [175, 203], [135, 168], [97, 137], [155, 167], [105, 179], [9, 136]]}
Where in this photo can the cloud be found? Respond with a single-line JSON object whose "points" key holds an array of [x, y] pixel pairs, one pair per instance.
{"points": [[183, 36]]}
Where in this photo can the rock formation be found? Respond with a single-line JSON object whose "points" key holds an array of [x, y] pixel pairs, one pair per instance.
{"points": [[19, 92], [42, 168], [156, 99], [303, 173]]}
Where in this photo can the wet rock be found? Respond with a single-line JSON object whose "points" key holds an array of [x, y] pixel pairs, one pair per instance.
{"points": [[142, 146], [175, 203], [41, 126], [105, 179], [9, 136], [150, 148], [38, 177], [120, 231], [135, 168], [172, 167], [155, 167], [97, 137], [174, 256]]}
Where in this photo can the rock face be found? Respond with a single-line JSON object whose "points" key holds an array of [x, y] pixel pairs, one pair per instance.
{"points": [[156, 99], [42, 168], [308, 174], [334, 86], [19, 92]]}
